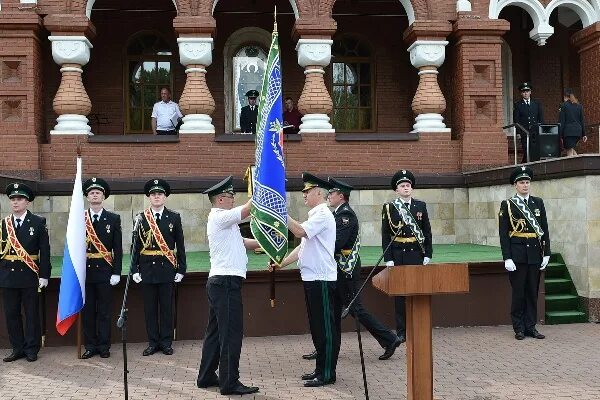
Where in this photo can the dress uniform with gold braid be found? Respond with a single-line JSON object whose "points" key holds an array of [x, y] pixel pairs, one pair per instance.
{"points": [[529, 250], [157, 272], [98, 296], [19, 282], [406, 249]]}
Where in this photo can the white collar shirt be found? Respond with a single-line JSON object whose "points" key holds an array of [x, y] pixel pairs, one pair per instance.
{"points": [[225, 242], [159, 212], [19, 217], [315, 259], [165, 115], [92, 214], [525, 199]]}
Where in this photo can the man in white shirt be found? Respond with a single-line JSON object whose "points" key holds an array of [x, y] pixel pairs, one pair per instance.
{"points": [[318, 268], [228, 264], [165, 114]]}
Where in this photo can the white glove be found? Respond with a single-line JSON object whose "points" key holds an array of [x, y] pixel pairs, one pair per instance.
{"points": [[426, 260], [114, 279], [545, 262], [43, 282], [178, 277], [510, 265], [389, 263], [137, 278]]}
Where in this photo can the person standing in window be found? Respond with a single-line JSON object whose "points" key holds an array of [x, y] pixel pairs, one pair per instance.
{"points": [[528, 113], [249, 113], [292, 118], [571, 122], [165, 114]]}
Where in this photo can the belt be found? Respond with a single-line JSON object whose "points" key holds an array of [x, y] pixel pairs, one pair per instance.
{"points": [[405, 239], [13, 257], [346, 252], [145, 252], [523, 234], [96, 255]]}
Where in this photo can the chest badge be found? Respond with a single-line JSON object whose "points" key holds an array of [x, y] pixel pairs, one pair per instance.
{"points": [[31, 230], [419, 215], [107, 228], [170, 227], [345, 220], [537, 212]]}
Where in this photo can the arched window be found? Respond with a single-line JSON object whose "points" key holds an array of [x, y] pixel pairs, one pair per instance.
{"points": [[249, 65], [352, 85], [150, 65]]}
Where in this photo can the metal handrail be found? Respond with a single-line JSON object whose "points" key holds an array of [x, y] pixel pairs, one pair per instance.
{"points": [[513, 127]]}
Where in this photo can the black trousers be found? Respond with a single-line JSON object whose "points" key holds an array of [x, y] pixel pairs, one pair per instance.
{"points": [[534, 153], [96, 316], [525, 283], [26, 341], [347, 286], [323, 317], [223, 339], [158, 298], [407, 254]]}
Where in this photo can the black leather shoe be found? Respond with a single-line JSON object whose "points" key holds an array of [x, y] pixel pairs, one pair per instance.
{"points": [[31, 357], [210, 382], [519, 336], [149, 351], [309, 376], [311, 356], [105, 354], [88, 354], [391, 349], [535, 334], [241, 389], [13, 357], [318, 382], [168, 351], [402, 337]]}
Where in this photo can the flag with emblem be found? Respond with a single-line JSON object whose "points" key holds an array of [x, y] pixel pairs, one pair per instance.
{"points": [[71, 297], [269, 210]]}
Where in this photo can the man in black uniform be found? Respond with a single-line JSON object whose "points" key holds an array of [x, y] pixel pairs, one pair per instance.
{"points": [[528, 113], [405, 223], [249, 113], [347, 246], [104, 259], [525, 242], [24, 268], [158, 260]]}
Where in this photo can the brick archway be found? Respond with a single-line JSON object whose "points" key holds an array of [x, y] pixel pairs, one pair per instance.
{"points": [[415, 9], [213, 4], [89, 5]]}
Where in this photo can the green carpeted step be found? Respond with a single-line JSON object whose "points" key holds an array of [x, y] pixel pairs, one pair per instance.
{"points": [[565, 317], [562, 302], [557, 285], [556, 270]]}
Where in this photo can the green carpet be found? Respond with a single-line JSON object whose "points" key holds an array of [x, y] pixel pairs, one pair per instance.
{"points": [[199, 261]]}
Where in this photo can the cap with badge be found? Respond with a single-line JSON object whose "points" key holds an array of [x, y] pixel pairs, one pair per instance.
{"points": [[157, 185], [18, 189], [311, 181], [252, 94], [521, 173], [339, 186], [525, 86], [98, 184], [225, 186], [403, 175]]}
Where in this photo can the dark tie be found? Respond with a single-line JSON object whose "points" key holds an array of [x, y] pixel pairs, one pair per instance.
{"points": [[407, 205], [157, 217], [95, 222], [18, 222]]}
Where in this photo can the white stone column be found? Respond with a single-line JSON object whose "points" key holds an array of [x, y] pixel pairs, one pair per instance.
{"points": [[71, 101], [315, 102], [429, 103], [196, 102]]}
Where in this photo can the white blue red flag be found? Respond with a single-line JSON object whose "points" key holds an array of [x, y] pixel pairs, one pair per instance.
{"points": [[71, 297]]}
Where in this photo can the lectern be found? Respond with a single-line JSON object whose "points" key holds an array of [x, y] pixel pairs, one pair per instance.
{"points": [[418, 283]]}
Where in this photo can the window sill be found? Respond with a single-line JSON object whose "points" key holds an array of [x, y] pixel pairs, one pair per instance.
{"points": [[376, 137], [133, 138], [243, 137]]}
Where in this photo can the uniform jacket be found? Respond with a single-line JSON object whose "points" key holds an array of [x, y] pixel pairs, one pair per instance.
{"points": [[523, 250], [419, 211], [571, 119], [108, 230], [158, 269], [346, 229], [248, 119], [528, 116], [33, 235]]}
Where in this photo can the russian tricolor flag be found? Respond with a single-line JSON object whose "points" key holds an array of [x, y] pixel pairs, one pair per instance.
{"points": [[72, 283]]}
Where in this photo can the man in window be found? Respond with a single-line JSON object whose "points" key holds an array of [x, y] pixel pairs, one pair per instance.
{"points": [[249, 113], [292, 118], [165, 114]]}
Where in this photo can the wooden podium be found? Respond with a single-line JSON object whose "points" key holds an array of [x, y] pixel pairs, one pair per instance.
{"points": [[418, 283]]}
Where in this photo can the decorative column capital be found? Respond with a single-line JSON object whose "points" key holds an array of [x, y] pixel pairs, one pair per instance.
{"points": [[195, 50], [70, 49], [541, 33], [427, 53], [314, 52]]}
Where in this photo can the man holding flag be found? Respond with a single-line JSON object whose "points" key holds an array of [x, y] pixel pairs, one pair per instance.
{"points": [[24, 267]]}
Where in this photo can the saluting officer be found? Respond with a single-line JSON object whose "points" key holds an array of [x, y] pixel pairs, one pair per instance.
{"points": [[104, 262], [158, 260], [525, 242], [405, 223], [528, 113], [24, 268], [249, 113]]}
